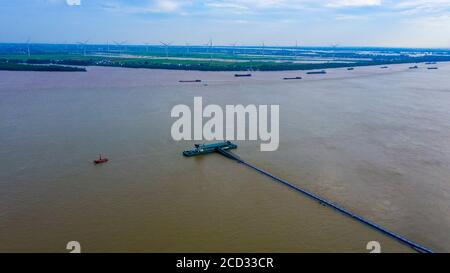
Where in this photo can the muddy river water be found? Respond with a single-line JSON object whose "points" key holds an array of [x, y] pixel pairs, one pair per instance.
{"points": [[374, 141]]}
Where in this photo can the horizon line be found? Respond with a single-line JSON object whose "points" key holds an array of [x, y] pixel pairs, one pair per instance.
{"points": [[228, 45]]}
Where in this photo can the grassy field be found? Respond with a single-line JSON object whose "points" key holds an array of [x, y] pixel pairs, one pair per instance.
{"points": [[54, 58]]}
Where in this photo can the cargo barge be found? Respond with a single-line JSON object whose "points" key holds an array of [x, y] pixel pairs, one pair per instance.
{"points": [[316, 72]]}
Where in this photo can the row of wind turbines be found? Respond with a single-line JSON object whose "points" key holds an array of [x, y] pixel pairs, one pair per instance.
{"points": [[122, 47], [166, 45]]}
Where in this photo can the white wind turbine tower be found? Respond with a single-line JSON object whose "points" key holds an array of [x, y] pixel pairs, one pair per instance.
{"points": [[187, 48], [83, 46], [333, 46], [209, 48], [263, 48], [234, 47], [28, 47], [146, 47], [166, 45]]}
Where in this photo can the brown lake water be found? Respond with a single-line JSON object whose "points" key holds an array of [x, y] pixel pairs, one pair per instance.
{"points": [[378, 143]]}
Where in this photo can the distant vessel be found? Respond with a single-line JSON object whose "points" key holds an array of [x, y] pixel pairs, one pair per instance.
{"points": [[350, 68], [317, 72], [190, 81], [292, 78], [383, 67], [430, 63], [413, 67], [242, 75], [101, 160], [432, 67]]}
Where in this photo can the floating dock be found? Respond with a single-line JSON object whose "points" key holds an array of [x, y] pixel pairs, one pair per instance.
{"points": [[223, 147], [200, 149]]}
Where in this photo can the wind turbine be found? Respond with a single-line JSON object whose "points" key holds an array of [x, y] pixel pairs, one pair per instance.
{"points": [[209, 46], [28, 47], [146, 47], [334, 45], [263, 48], [83, 45], [296, 48], [120, 44], [166, 45], [234, 47], [187, 48]]}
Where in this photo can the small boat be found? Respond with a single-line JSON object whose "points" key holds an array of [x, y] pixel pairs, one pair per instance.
{"points": [[432, 67], [430, 63], [190, 81], [101, 160], [242, 75], [384, 67], [200, 149], [350, 68], [413, 67], [316, 72], [292, 78]]}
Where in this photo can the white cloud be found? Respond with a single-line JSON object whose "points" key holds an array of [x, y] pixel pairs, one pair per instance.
{"points": [[226, 5], [424, 6], [277, 7], [73, 2], [429, 3], [152, 6], [166, 5], [350, 17], [353, 3], [289, 4]]}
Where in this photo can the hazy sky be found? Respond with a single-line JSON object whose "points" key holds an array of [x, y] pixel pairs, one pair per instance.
{"points": [[409, 23]]}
